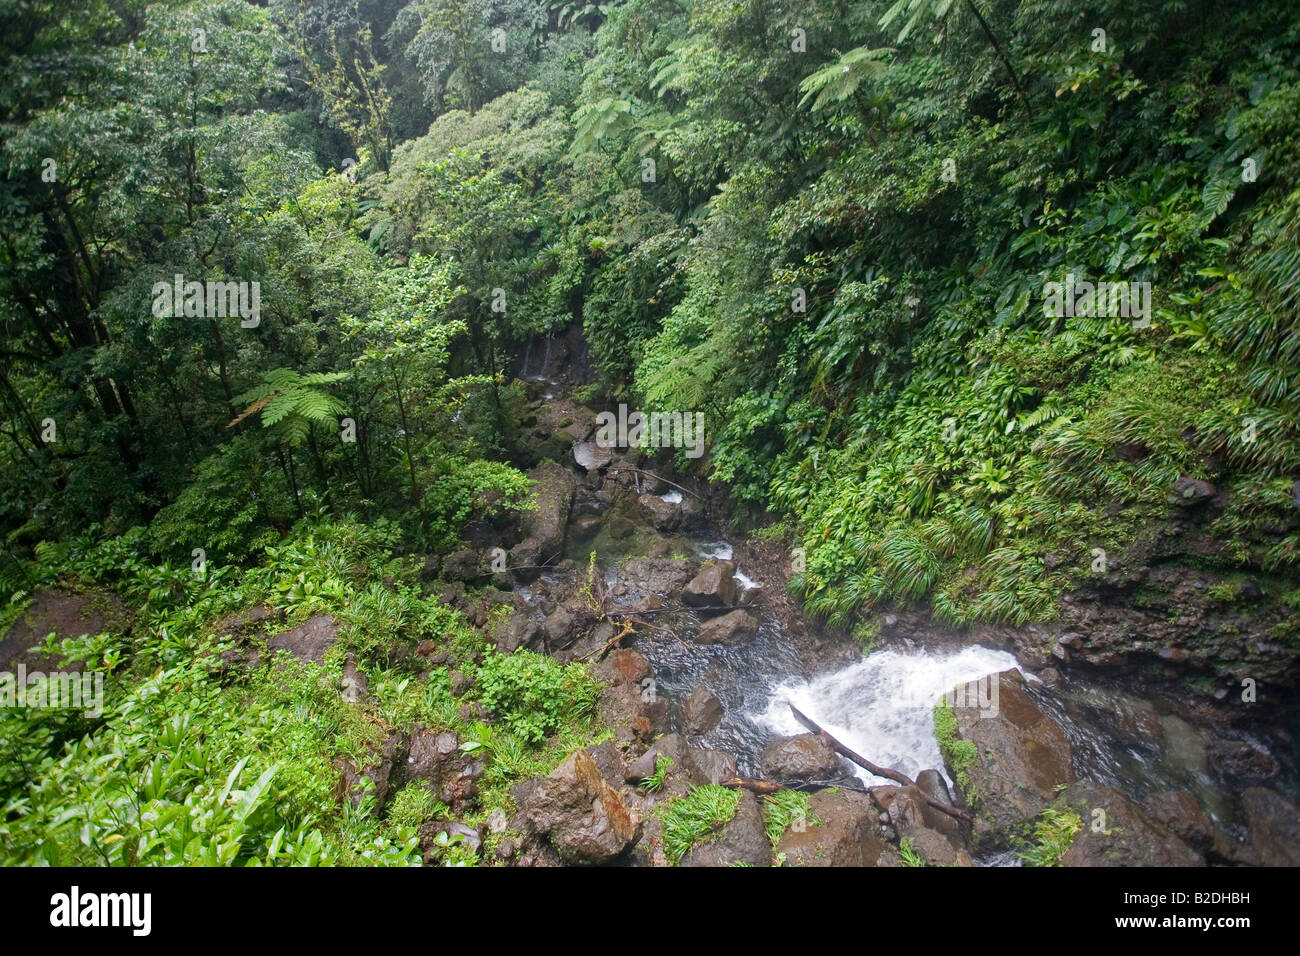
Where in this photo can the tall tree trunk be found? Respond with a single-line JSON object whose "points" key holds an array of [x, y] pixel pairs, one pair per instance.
{"points": [[997, 48]]}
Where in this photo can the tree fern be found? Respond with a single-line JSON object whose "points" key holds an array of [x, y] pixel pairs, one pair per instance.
{"points": [[292, 403], [838, 81]]}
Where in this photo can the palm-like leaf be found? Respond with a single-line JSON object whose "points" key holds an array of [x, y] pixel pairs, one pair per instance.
{"points": [[838, 81]]}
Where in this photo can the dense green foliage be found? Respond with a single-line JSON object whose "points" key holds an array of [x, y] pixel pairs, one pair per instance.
{"points": [[697, 817], [193, 768]]}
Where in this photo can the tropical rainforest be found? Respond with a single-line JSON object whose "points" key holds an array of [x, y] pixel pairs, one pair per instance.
{"points": [[300, 535]]}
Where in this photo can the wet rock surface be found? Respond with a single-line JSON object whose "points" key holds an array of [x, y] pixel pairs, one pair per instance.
{"points": [[585, 819], [700, 641], [63, 614], [801, 758], [848, 833], [1021, 754]]}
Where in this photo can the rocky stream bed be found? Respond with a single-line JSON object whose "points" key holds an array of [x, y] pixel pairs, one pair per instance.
{"points": [[1160, 770]]}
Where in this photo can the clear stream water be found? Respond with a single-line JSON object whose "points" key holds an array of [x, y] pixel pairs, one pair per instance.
{"points": [[881, 705]]}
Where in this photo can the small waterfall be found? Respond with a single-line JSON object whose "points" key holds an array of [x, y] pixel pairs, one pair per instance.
{"points": [[528, 357], [883, 705]]}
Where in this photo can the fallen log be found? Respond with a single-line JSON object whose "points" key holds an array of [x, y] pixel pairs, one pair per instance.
{"points": [[762, 787], [872, 768]]}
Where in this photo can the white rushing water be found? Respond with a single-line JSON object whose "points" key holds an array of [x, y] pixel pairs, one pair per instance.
{"points": [[715, 549], [883, 705], [671, 497]]}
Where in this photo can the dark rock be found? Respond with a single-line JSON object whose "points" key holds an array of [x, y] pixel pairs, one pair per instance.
{"points": [[585, 528], [438, 759], [379, 768], [734, 627], [1238, 761], [559, 626], [623, 666], [713, 587], [586, 820], [701, 711], [543, 528], [1131, 451], [908, 811], [308, 641], [654, 575], [1182, 815], [801, 757], [1128, 835], [660, 514], [520, 629], [609, 760], [933, 847], [670, 746], [66, 615], [708, 766], [460, 683], [1021, 753], [847, 836], [1274, 823], [463, 565], [932, 784], [1189, 491], [631, 706]]}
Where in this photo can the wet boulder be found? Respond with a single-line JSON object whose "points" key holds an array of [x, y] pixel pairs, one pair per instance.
{"points": [[734, 627], [631, 704], [520, 629], [1179, 812], [670, 747], [660, 514], [800, 758], [701, 711], [1190, 492], [66, 615], [907, 811], [657, 576], [1241, 762], [708, 766], [847, 834], [713, 587], [437, 759], [1018, 753], [544, 527], [933, 847], [464, 565], [1122, 834], [591, 456], [932, 784], [585, 819], [1274, 823]]}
